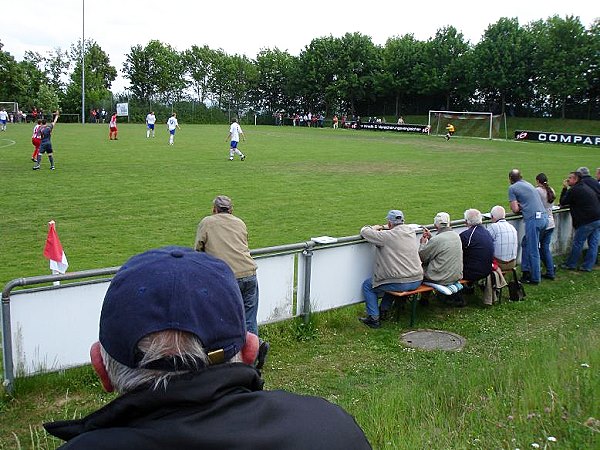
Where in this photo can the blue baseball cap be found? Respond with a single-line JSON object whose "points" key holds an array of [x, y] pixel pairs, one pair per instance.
{"points": [[172, 288], [395, 216]]}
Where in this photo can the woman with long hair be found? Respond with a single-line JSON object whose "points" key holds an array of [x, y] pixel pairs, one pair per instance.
{"points": [[548, 196]]}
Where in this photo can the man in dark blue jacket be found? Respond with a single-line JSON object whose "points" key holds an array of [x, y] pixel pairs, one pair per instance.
{"points": [[478, 247], [585, 215], [173, 342]]}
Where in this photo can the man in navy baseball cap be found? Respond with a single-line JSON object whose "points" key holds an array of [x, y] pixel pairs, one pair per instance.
{"points": [[173, 342]]}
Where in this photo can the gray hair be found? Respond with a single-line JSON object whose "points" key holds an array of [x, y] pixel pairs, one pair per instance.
{"points": [[584, 171], [157, 346], [473, 217], [498, 212]]}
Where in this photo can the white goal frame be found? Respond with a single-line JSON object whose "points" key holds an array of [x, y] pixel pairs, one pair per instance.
{"points": [[10, 106], [462, 115]]}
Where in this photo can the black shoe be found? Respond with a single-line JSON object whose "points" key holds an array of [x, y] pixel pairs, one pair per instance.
{"points": [[263, 349], [565, 267], [370, 321], [36, 167], [525, 276], [545, 276], [530, 281]]}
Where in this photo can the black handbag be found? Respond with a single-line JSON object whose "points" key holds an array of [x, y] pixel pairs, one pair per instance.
{"points": [[516, 291]]}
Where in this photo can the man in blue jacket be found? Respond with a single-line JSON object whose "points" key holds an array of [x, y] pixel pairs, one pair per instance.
{"points": [[173, 342]]}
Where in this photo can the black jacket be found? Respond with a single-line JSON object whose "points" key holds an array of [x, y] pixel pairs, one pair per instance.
{"points": [[221, 407], [583, 202]]}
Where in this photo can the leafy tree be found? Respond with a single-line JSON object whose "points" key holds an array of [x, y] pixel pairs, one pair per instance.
{"points": [[402, 56], [199, 65], [233, 79], [592, 62], [99, 75], [560, 56], [156, 72], [447, 73], [503, 59], [274, 68]]}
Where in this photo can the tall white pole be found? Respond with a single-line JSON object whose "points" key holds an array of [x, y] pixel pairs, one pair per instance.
{"points": [[83, 63]]}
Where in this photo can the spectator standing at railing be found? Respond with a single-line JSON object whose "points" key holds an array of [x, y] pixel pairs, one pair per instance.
{"points": [[585, 214], [548, 196], [225, 236], [397, 265], [173, 344], [505, 238], [524, 199], [587, 179]]}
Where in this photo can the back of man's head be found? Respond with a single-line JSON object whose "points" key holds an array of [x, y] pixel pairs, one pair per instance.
{"points": [[498, 212], [222, 204], [167, 311], [473, 217], [395, 217], [584, 171], [514, 176], [441, 220]]}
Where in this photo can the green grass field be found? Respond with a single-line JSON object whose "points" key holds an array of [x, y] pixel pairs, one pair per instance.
{"points": [[529, 371]]}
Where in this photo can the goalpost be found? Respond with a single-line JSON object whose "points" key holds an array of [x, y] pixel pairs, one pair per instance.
{"points": [[484, 125], [10, 107]]}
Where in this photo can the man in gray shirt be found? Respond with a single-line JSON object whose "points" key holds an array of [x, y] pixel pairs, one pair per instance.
{"points": [[524, 199]]}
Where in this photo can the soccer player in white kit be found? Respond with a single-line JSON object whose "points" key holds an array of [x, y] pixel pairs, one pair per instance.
{"points": [[235, 131], [150, 121], [172, 124]]}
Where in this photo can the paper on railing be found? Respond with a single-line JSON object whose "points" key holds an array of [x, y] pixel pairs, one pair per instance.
{"points": [[324, 240]]}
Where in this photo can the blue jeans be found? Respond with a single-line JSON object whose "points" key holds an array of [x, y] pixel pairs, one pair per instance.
{"points": [[530, 255], [545, 253], [249, 289], [591, 233], [371, 294]]}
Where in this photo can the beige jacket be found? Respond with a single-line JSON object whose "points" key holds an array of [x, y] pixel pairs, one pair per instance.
{"points": [[225, 236]]}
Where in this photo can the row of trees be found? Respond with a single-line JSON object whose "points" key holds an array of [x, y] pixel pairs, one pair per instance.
{"points": [[547, 67]]}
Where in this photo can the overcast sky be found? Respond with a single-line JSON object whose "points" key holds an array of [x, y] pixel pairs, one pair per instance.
{"points": [[246, 27]]}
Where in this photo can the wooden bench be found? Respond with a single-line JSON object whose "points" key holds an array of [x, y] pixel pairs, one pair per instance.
{"points": [[414, 296]]}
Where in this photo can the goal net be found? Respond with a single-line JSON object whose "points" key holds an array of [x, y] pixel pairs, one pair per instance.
{"points": [[10, 107], [483, 125]]}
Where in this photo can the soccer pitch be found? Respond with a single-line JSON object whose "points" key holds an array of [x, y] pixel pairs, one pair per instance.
{"points": [[112, 199]]}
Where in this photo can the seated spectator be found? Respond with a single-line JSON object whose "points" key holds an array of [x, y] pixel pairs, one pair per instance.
{"points": [[173, 342], [397, 265], [477, 246], [441, 256], [505, 239]]}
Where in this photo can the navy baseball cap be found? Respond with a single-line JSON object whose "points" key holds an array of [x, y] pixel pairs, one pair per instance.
{"points": [[172, 288]]}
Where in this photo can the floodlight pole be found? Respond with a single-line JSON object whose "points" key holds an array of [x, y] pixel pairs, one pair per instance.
{"points": [[83, 62]]}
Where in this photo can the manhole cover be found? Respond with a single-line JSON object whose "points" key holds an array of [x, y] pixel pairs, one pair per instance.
{"points": [[433, 340]]}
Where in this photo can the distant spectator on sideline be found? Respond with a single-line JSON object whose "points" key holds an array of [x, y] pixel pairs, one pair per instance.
{"points": [[335, 122], [547, 196], [505, 238], [225, 236], [585, 214], [478, 247], [441, 254], [397, 265], [173, 344], [524, 199], [400, 120]]}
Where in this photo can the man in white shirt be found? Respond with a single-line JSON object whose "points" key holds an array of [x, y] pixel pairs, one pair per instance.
{"points": [[150, 121], [506, 241], [172, 124], [235, 131]]}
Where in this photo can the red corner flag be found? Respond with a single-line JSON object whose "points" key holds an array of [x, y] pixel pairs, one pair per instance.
{"points": [[54, 251]]}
